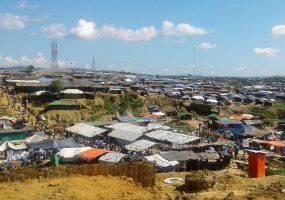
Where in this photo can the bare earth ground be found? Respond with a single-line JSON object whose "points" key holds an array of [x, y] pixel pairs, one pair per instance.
{"points": [[232, 185]]}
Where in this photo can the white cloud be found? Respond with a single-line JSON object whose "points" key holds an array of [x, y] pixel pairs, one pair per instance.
{"points": [[55, 31], [240, 68], [38, 61], [12, 22], [88, 30], [169, 28], [142, 34], [206, 46], [85, 30], [25, 5], [278, 31], [268, 52]]}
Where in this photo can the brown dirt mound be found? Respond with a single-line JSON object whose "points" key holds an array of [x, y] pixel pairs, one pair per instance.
{"points": [[200, 180]]}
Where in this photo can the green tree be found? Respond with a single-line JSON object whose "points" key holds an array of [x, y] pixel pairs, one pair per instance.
{"points": [[30, 69], [56, 86]]}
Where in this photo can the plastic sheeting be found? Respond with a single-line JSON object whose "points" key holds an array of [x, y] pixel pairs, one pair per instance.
{"points": [[9, 146]]}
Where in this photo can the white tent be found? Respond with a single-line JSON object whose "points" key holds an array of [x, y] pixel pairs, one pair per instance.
{"points": [[9, 146], [198, 98]]}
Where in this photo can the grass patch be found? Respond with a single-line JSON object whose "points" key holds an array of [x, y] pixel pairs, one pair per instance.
{"points": [[280, 171]]}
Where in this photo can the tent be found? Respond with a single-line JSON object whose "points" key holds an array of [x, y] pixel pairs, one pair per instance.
{"points": [[11, 150], [68, 155], [10, 146], [92, 154]]}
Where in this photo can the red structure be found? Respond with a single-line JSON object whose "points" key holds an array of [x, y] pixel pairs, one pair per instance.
{"points": [[256, 161]]}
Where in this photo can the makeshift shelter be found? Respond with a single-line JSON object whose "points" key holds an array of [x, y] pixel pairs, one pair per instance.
{"points": [[7, 122], [140, 145], [162, 165], [112, 157], [92, 154], [86, 130], [69, 155], [11, 150]]}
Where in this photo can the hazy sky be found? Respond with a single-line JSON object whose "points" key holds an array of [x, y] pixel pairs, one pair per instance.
{"points": [[232, 37]]}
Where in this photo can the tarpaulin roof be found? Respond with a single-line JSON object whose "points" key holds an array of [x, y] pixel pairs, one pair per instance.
{"points": [[92, 154], [112, 157], [274, 143], [86, 130], [171, 137], [128, 127], [45, 144], [67, 143], [140, 145], [37, 137], [160, 161], [71, 152], [180, 155], [8, 145], [127, 135]]}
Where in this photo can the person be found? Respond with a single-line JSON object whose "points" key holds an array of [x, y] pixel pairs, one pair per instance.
{"points": [[236, 150]]}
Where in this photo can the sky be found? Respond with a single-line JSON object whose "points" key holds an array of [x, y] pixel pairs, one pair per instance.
{"points": [[230, 37]]}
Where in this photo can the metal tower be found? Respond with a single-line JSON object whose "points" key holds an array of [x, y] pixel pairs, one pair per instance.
{"points": [[53, 55], [194, 61], [93, 69]]}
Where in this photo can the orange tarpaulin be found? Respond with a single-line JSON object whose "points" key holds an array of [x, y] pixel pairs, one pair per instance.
{"points": [[240, 117], [150, 115], [91, 154], [274, 143]]}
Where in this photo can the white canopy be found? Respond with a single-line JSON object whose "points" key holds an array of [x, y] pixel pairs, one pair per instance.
{"points": [[70, 154], [9, 146], [71, 91]]}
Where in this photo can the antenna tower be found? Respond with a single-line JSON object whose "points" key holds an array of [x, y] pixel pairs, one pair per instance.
{"points": [[93, 69], [53, 55], [194, 61]]}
